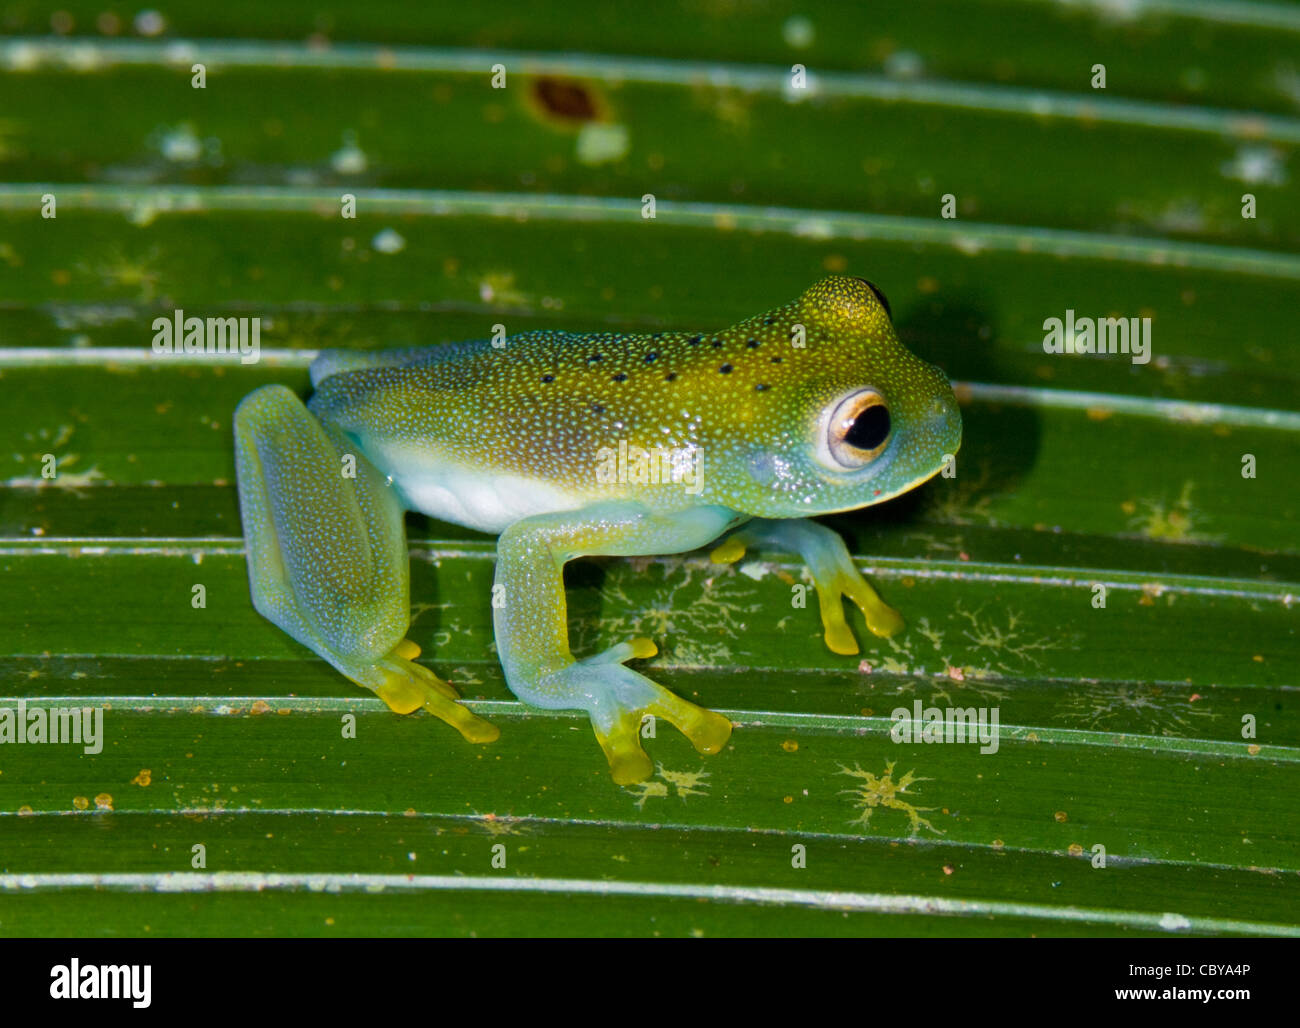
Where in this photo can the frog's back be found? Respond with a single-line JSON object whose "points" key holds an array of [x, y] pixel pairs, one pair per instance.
{"points": [[544, 402], [483, 435]]}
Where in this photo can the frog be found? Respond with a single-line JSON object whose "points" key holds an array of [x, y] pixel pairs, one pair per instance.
{"points": [[568, 445]]}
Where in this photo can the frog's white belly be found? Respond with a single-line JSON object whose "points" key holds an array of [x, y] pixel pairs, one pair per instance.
{"points": [[481, 500]]}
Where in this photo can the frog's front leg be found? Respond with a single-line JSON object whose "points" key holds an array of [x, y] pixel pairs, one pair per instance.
{"points": [[833, 572], [327, 558], [533, 637]]}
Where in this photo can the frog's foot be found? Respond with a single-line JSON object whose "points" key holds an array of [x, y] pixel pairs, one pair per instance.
{"points": [[618, 700], [833, 572], [406, 686], [729, 550], [846, 581]]}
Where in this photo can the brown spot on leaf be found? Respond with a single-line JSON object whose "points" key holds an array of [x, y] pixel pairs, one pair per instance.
{"points": [[566, 99]]}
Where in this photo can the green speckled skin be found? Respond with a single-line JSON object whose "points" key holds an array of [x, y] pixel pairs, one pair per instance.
{"points": [[811, 408]]}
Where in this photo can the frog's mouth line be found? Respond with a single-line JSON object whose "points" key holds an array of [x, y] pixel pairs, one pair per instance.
{"points": [[885, 497]]}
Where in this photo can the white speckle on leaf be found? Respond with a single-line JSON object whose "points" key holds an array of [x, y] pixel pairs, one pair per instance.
{"points": [[180, 145], [150, 23], [814, 228], [181, 53], [349, 159], [1256, 165], [21, 56], [602, 144], [84, 57], [388, 241]]}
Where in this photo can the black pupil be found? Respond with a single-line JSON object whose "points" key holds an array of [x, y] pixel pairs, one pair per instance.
{"points": [[879, 296], [869, 429]]}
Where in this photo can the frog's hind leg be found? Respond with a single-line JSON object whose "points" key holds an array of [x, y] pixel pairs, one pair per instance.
{"points": [[327, 559]]}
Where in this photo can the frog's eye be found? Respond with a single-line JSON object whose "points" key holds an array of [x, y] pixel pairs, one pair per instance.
{"points": [[857, 430], [884, 301]]}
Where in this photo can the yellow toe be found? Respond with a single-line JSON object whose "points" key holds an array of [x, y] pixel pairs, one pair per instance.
{"points": [[401, 695], [884, 621], [406, 650], [472, 727], [643, 647], [840, 640], [628, 762], [628, 768], [729, 552], [710, 733]]}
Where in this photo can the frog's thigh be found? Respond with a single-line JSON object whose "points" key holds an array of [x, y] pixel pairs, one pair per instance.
{"points": [[327, 551], [532, 630], [833, 572]]}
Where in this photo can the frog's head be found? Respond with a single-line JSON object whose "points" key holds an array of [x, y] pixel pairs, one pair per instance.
{"points": [[854, 417]]}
